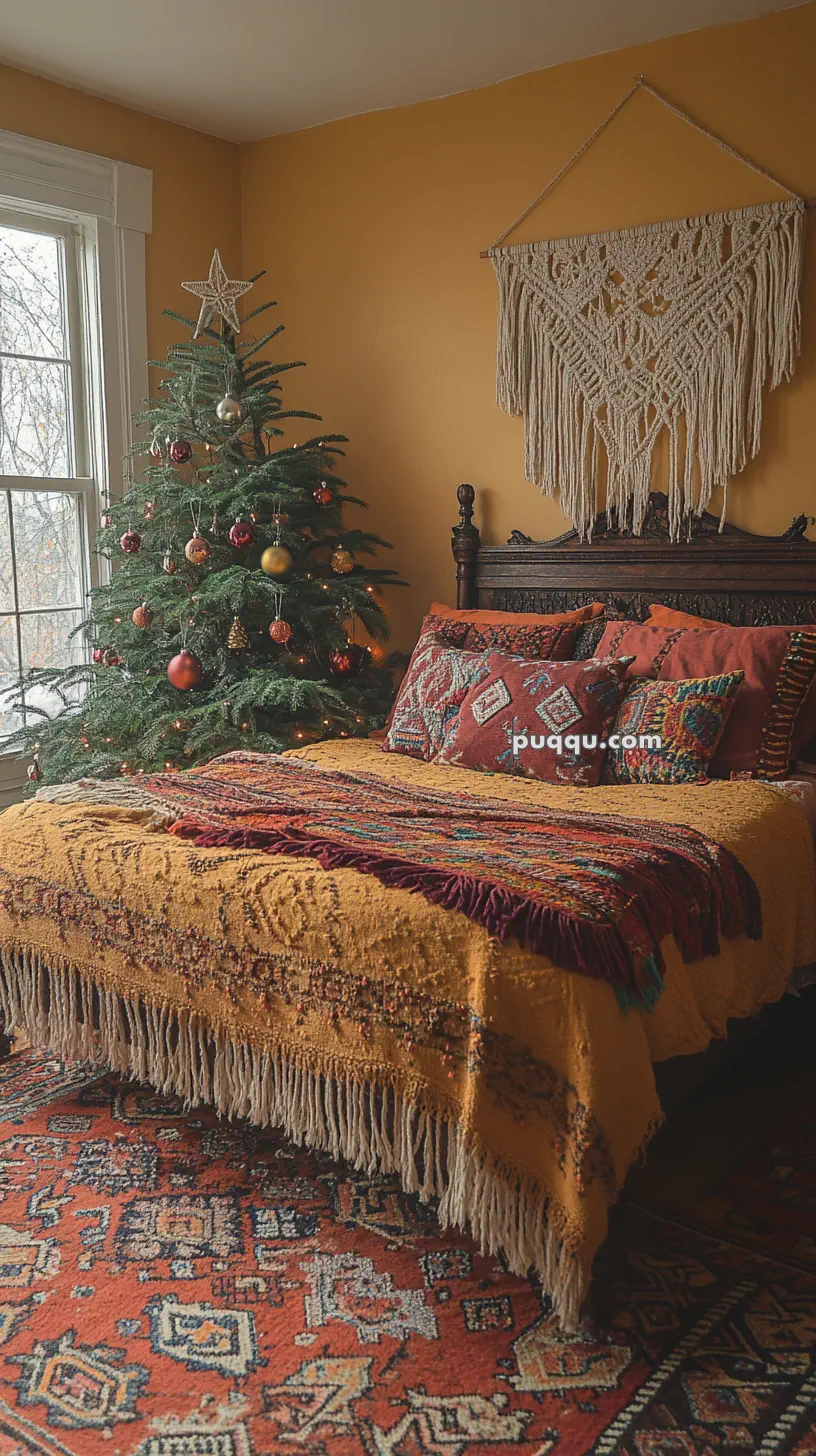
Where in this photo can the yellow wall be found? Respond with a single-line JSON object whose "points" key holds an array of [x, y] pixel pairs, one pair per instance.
{"points": [[371, 230], [196, 182]]}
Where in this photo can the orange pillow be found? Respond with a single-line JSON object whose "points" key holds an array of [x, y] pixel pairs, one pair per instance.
{"points": [[668, 617], [517, 619]]}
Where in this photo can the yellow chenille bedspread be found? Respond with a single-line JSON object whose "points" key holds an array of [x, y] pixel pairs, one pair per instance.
{"points": [[237, 978]]}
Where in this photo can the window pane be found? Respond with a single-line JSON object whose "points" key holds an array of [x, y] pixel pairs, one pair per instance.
{"points": [[32, 295], [47, 548], [45, 643], [6, 581], [34, 418], [9, 675]]}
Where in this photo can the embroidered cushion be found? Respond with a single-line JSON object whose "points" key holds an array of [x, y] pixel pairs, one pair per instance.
{"points": [[774, 714], [687, 716], [522, 639], [526, 717], [430, 696], [420, 722]]}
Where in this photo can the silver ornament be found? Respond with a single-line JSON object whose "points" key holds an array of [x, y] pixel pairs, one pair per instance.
{"points": [[229, 410]]}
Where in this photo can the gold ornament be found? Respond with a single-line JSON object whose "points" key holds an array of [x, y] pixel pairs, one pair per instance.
{"points": [[342, 561], [198, 550], [276, 561], [218, 294], [237, 641], [149, 511]]}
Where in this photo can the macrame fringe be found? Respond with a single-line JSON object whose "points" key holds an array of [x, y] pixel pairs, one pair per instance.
{"points": [[737, 317], [374, 1128]]}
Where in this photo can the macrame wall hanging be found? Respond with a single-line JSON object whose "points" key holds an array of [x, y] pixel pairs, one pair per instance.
{"points": [[605, 341]]}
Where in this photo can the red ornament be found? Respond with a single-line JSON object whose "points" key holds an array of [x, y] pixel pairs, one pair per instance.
{"points": [[321, 494], [241, 535], [111, 657], [34, 772], [279, 630], [347, 661], [99, 655], [184, 671], [180, 451], [142, 616], [106, 520], [131, 542]]}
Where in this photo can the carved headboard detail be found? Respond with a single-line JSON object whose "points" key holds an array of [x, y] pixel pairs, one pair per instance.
{"points": [[733, 575]]}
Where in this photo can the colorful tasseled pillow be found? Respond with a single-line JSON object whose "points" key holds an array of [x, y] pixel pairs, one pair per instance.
{"points": [[518, 715], [430, 696], [687, 717], [774, 714]]}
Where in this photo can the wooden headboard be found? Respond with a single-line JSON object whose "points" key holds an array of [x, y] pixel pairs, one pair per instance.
{"points": [[732, 576]]}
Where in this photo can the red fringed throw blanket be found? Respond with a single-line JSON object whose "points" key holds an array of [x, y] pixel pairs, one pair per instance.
{"points": [[596, 893]]}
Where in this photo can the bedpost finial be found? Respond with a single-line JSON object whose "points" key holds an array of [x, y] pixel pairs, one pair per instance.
{"points": [[465, 544], [465, 496]]}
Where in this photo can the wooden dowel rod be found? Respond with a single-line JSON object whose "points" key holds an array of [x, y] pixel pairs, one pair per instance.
{"points": [[810, 204]]}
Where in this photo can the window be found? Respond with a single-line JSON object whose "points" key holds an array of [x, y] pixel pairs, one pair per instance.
{"points": [[48, 492], [73, 351]]}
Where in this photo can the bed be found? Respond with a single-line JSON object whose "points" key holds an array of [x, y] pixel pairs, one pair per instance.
{"points": [[367, 1019]]}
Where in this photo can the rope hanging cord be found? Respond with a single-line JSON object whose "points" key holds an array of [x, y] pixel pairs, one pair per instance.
{"points": [[639, 84]]}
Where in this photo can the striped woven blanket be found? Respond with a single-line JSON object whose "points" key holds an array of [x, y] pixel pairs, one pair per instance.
{"points": [[595, 892]]}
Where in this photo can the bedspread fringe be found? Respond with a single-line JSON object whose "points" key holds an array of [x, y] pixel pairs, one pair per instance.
{"points": [[374, 1127]]}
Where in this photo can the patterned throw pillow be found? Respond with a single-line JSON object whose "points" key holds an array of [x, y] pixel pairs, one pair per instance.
{"points": [[775, 712], [688, 716], [525, 717], [520, 639], [430, 696]]}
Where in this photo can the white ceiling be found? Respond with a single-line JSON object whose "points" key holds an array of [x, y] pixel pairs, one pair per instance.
{"points": [[243, 69]]}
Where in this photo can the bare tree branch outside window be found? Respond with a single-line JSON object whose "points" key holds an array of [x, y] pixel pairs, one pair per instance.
{"points": [[40, 536]]}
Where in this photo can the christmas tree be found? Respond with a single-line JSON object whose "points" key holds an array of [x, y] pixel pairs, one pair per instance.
{"points": [[235, 594]]}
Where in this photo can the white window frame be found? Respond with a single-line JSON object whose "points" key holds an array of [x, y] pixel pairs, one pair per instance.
{"points": [[110, 204]]}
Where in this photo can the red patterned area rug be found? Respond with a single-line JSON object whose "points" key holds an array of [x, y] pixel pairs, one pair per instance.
{"points": [[174, 1285]]}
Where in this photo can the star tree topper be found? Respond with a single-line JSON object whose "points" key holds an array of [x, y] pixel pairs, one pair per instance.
{"points": [[218, 294]]}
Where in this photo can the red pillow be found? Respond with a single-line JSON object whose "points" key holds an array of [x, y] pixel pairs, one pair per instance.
{"points": [[660, 616], [475, 615], [766, 728], [521, 716]]}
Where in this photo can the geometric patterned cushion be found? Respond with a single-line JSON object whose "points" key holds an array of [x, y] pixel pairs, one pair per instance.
{"points": [[544, 639], [527, 717], [688, 716], [430, 696]]}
